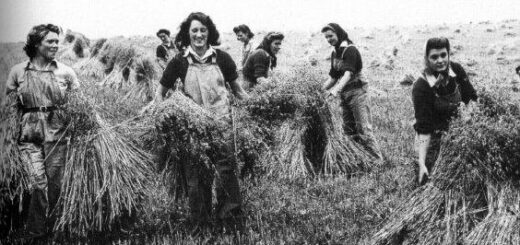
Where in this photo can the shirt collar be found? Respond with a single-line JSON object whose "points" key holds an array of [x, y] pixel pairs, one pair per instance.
{"points": [[53, 64], [343, 44], [432, 80], [211, 51]]}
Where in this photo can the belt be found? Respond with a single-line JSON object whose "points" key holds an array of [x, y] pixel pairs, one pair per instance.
{"points": [[41, 109]]}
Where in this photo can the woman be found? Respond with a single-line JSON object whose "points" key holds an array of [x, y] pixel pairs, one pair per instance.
{"points": [[244, 35], [262, 60], [204, 71], [346, 82], [166, 50], [436, 95], [42, 83]]}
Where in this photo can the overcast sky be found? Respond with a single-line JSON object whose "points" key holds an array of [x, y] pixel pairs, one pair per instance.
{"points": [[106, 18]]}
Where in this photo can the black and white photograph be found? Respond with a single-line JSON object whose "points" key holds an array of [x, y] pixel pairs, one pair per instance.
{"points": [[376, 122]]}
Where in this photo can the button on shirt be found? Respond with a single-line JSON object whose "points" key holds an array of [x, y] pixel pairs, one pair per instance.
{"points": [[65, 75]]}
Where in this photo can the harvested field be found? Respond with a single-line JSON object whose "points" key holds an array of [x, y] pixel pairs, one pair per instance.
{"points": [[308, 185]]}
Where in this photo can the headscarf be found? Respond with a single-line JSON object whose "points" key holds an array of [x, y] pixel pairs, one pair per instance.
{"points": [[266, 45], [342, 34], [429, 72]]}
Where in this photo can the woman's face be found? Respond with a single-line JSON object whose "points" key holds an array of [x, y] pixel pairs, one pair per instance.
{"points": [[438, 59], [49, 46], [198, 35], [276, 45], [242, 37], [331, 37], [164, 38]]}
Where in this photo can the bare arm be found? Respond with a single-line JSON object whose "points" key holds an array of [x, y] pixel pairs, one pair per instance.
{"points": [[329, 83], [238, 91], [422, 145], [343, 81], [160, 93]]}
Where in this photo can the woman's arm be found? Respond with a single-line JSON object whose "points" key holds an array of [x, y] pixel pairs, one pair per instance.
{"points": [[338, 87], [423, 101], [238, 91], [11, 84], [261, 80], [260, 62], [422, 143], [160, 93], [329, 83], [467, 90]]}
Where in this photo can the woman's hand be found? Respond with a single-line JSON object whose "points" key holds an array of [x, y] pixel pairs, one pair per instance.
{"points": [[148, 108], [159, 97], [333, 92], [422, 143], [423, 173], [328, 84], [238, 91], [262, 80]]}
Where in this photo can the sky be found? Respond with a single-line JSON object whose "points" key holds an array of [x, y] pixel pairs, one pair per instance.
{"points": [[106, 18]]}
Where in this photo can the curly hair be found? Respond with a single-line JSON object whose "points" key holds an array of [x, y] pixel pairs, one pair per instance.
{"points": [[269, 38], [36, 36], [184, 33], [244, 29]]}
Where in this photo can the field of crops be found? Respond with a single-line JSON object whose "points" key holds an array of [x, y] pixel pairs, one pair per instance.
{"points": [[118, 76]]}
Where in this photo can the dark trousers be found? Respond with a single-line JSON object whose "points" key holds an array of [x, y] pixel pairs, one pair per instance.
{"points": [[200, 178], [43, 149]]}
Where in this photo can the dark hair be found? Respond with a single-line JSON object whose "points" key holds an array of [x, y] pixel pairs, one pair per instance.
{"points": [[266, 44], [437, 43], [184, 33], [244, 29], [517, 69], [342, 34], [36, 36], [165, 31]]}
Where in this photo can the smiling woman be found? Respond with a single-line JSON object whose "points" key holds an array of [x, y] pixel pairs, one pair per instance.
{"points": [[347, 84], [436, 95], [42, 83], [263, 60], [204, 72]]}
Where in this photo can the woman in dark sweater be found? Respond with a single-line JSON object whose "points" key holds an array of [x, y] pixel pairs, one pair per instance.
{"points": [[346, 82], [258, 65], [436, 95]]}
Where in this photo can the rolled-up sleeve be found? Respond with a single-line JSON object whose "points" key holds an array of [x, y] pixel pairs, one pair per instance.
{"points": [[12, 81]]}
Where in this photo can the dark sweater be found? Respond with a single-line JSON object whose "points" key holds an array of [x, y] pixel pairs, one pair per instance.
{"points": [[257, 65], [351, 61], [178, 68], [162, 51], [427, 119]]}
